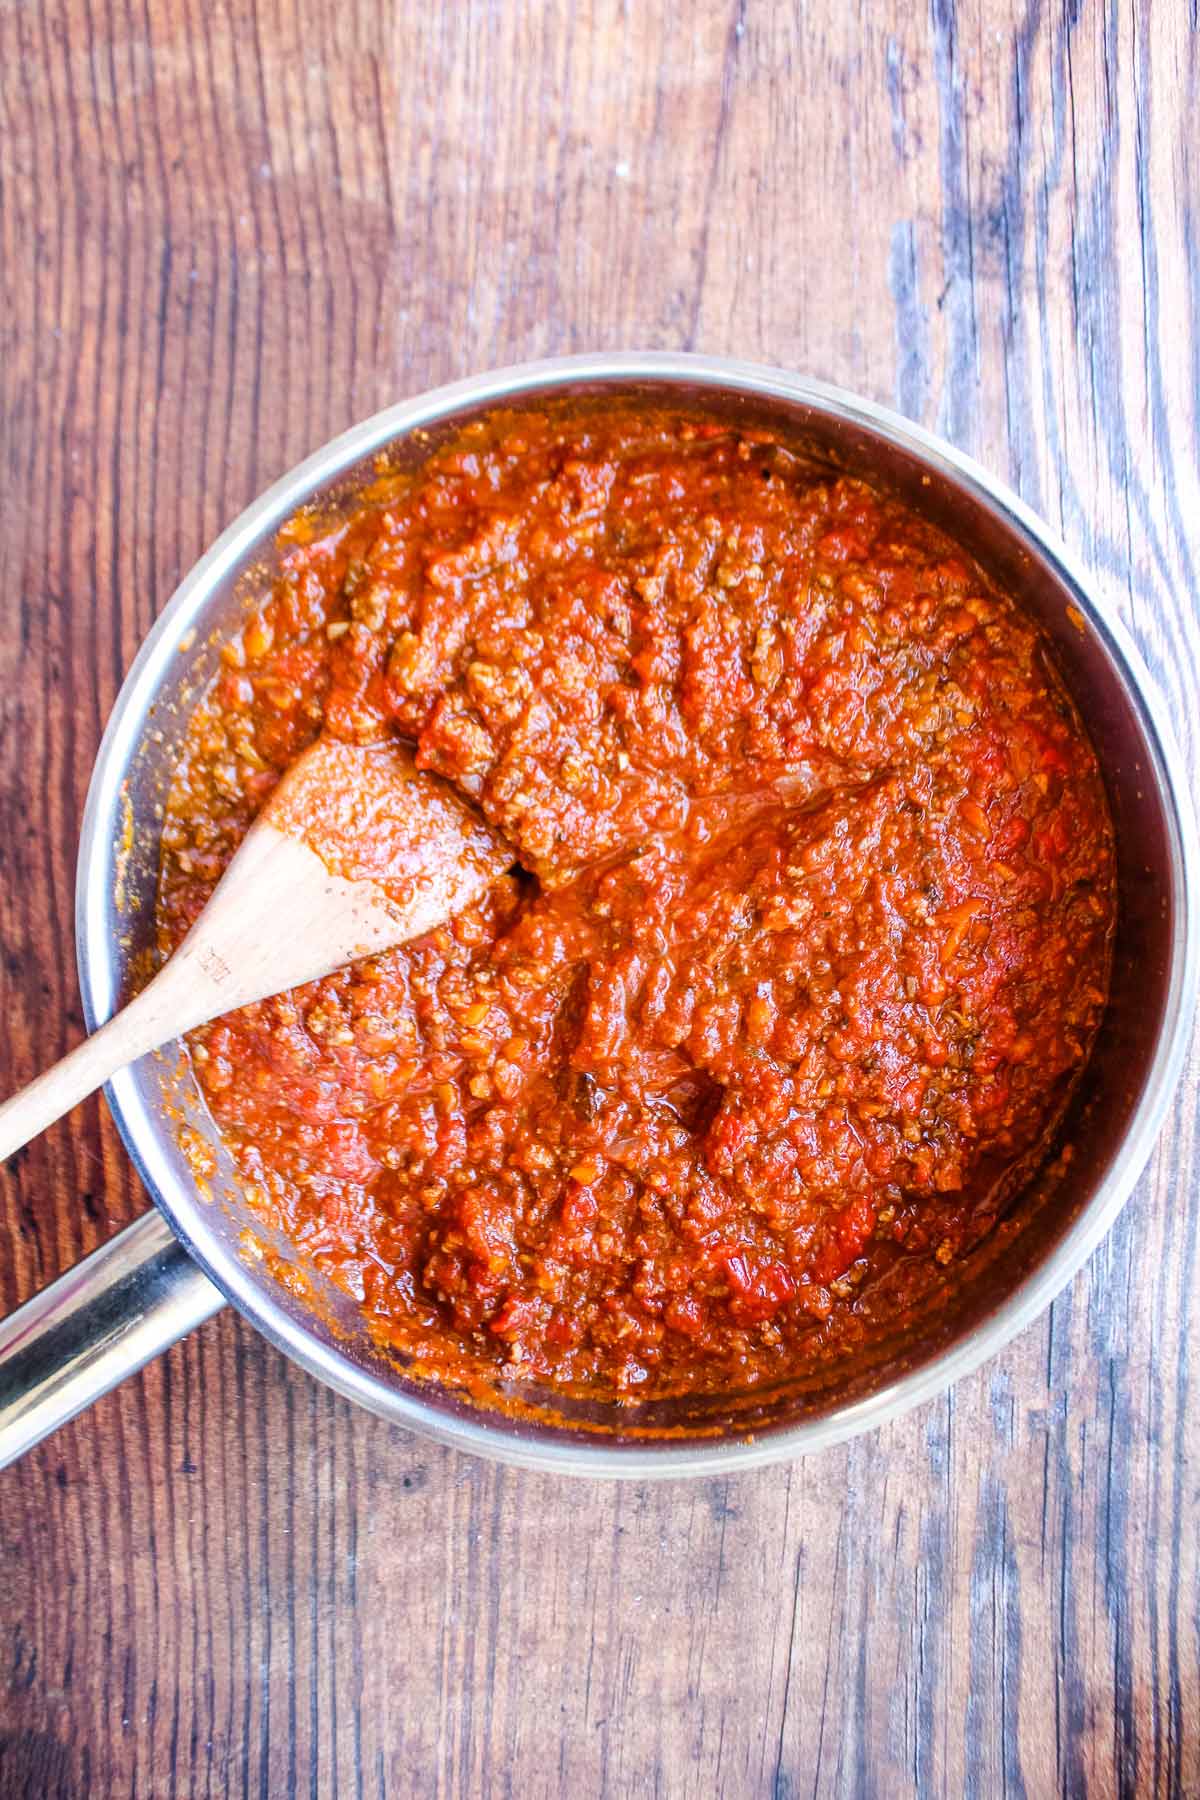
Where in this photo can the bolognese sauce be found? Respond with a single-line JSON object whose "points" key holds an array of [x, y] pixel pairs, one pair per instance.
{"points": [[806, 938]]}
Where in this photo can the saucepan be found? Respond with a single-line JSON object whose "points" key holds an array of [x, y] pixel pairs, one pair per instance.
{"points": [[200, 1248]]}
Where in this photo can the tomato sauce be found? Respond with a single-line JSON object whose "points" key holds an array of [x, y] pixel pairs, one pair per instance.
{"points": [[806, 946]]}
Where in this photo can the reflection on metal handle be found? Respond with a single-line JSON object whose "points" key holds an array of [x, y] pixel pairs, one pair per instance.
{"points": [[98, 1323]]}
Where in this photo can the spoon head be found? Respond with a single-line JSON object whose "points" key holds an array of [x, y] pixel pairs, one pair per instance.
{"points": [[372, 816], [357, 850]]}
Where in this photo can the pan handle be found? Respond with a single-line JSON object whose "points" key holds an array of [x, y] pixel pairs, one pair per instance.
{"points": [[101, 1321]]}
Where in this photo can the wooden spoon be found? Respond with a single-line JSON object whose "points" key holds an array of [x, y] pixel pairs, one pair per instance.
{"points": [[354, 852]]}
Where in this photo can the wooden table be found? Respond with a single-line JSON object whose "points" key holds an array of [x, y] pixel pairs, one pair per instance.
{"points": [[227, 231]]}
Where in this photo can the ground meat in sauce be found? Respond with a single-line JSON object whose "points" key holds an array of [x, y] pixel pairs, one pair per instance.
{"points": [[810, 935]]}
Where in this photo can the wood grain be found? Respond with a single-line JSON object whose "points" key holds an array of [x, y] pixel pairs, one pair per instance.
{"points": [[229, 228]]}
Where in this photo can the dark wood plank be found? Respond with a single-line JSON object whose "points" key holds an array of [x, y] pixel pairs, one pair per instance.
{"points": [[227, 231]]}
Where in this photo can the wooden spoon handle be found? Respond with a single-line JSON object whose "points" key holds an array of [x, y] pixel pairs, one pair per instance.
{"points": [[143, 1025]]}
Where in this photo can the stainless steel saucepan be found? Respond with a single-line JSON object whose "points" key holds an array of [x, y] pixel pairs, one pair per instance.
{"points": [[184, 1260]]}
